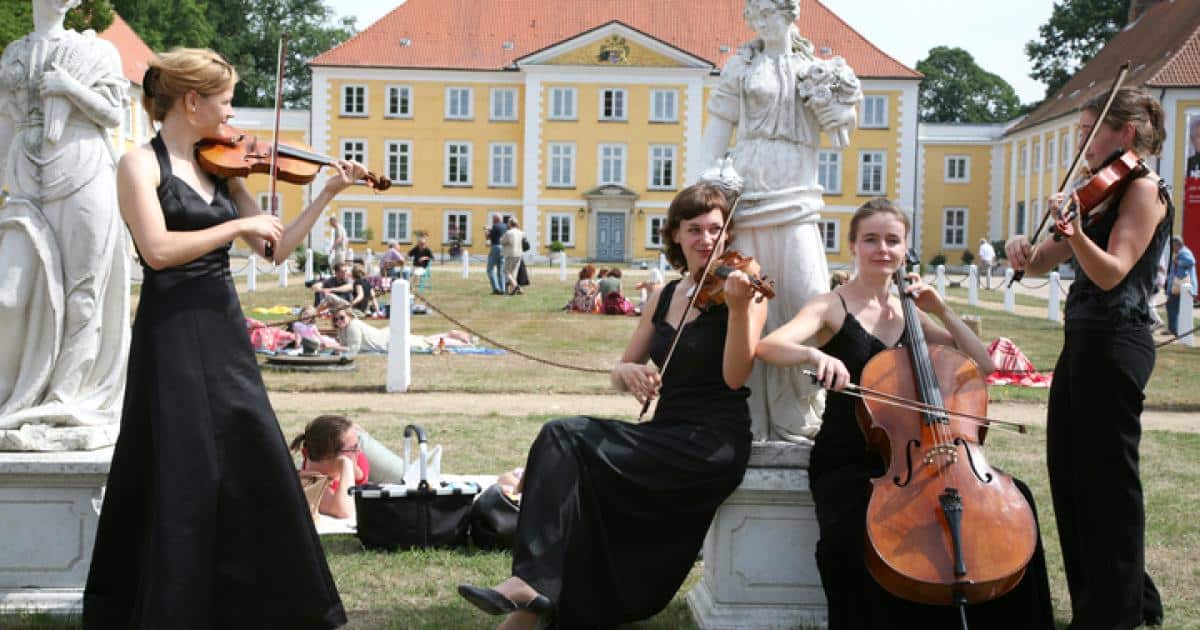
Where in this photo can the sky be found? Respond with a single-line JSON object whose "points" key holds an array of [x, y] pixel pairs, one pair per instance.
{"points": [[993, 32]]}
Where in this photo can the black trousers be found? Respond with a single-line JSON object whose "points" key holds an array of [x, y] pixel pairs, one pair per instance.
{"points": [[1093, 431]]}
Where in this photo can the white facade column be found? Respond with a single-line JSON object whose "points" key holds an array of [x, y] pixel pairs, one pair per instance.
{"points": [[531, 149]]}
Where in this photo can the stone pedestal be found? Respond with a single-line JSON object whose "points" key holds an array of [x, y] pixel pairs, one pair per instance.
{"points": [[759, 568], [49, 510]]}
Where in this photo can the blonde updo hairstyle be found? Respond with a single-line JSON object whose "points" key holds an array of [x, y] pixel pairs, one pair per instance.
{"points": [[1137, 107], [173, 74]]}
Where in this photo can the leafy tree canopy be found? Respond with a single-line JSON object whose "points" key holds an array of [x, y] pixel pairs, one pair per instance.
{"points": [[956, 89], [16, 18], [1075, 32]]}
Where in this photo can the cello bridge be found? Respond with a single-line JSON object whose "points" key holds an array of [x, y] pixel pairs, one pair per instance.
{"points": [[941, 450]]}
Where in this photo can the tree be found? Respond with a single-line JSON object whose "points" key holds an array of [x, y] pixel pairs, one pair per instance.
{"points": [[1076, 30], [247, 33], [166, 24], [956, 89], [16, 18]]}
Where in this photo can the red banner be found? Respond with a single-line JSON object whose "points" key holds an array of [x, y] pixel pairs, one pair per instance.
{"points": [[1191, 212]]}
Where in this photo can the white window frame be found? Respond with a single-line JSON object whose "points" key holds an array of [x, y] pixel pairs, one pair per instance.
{"points": [[1037, 156], [948, 168], [570, 101], [652, 167], [621, 98], [1051, 151], [406, 235], [862, 170], [670, 116], [562, 217], [1020, 218], [960, 229], [351, 235], [446, 214], [451, 91], [622, 161], [496, 96], [403, 95], [358, 154], [345, 108], [462, 157], [566, 152], [827, 228], [654, 239], [494, 149], [830, 159], [880, 109], [391, 147], [1067, 148], [1023, 160], [262, 201]]}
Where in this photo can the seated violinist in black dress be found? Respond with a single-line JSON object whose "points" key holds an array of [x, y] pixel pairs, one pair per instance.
{"points": [[851, 325], [613, 514]]}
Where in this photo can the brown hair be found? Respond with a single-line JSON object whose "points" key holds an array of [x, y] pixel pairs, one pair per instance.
{"points": [[691, 202], [603, 273], [175, 73], [588, 271], [322, 438], [614, 273], [1137, 107], [878, 205], [358, 272]]}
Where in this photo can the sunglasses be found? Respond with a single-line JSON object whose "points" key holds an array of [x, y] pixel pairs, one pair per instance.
{"points": [[353, 449]]}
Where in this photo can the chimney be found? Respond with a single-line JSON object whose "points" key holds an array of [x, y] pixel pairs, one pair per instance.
{"points": [[1138, 7]]}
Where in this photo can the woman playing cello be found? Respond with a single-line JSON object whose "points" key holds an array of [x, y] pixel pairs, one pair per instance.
{"points": [[851, 325], [1094, 420]]}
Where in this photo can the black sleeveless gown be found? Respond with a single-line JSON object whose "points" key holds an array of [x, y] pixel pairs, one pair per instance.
{"points": [[204, 523], [840, 473], [614, 514]]}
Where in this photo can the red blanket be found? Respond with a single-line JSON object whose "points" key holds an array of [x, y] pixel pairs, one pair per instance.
{"points": [[1013, 367]]}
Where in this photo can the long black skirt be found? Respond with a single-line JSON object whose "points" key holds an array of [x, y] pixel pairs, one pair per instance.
{"points": [[614, 514], [204, 523]]}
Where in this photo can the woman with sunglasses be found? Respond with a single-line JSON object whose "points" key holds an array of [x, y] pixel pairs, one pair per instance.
{"points": [[337, 448]]}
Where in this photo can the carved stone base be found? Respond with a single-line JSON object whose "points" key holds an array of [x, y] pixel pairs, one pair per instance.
{"points": [[45, 438], [759, 567], [49, 510]]}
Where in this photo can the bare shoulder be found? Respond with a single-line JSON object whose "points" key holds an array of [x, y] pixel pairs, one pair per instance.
{"points": [[1142, 197], [140, 164]]}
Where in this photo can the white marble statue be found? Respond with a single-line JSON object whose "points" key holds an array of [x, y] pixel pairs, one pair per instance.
{"points": [[780, 98], [64, 268]]}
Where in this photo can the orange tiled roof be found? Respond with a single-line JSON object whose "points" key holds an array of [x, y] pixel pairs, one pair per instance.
{"points": [[471, 34], [135, 54], [1163, 46]]}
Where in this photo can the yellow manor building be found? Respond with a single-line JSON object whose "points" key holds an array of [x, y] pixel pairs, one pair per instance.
{"points": [[581, 119]]}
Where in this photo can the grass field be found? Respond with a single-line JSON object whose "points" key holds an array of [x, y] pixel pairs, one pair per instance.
{"points": [[416, 589]]}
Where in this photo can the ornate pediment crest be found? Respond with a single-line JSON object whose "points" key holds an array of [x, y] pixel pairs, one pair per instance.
{"points": [[614, 50]]}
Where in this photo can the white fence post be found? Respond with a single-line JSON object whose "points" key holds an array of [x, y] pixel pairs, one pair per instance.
{"points": [[252, 273], [282, 268], [972, 285], [1010, 300], [369, 261], [399, 372], [1186, 314], [941, 280], [1052, 303], [308, 266], [562, 266], [466, 263]]}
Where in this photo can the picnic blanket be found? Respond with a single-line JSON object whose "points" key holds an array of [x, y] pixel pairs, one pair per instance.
{"points": [[1013, 367], [267, 338]]}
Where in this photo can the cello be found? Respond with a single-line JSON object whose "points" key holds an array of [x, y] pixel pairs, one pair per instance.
{"points": [[943, 527]]}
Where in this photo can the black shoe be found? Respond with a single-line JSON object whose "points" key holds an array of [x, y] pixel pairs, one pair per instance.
{"points": [[493, 602]]}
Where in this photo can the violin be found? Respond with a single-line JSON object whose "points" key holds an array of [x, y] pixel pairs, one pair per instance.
{"points": [[1118, 170], [943, 527], [711, 289], [238, 154]]}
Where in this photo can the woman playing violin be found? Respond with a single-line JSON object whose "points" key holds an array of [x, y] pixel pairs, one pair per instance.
{"points": [[613, 514], [1094, 418], [204, 522], [847, 327]]}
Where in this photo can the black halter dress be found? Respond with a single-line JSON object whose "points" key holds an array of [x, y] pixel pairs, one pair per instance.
{"points": [[204, 523]]}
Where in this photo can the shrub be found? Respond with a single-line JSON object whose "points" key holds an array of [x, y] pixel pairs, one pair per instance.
{"points": [[938, 259], [556, 247], [999, 247], [967, 257]]}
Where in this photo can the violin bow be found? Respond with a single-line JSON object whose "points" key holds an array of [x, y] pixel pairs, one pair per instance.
{"points": [[269, 250], [1087, 143], [695, 294]]}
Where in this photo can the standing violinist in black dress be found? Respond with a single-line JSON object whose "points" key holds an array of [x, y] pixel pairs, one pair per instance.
{"points": [[204, 523], [613, 513], [848, 327], [1094, 419]]}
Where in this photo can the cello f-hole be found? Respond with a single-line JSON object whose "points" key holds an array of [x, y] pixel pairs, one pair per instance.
{"points": [[986, 478], [908, 456]]}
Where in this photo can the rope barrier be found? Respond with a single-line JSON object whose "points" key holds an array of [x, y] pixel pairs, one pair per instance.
{"points": [[1022, 283], [1176, 338], [502, 346]]}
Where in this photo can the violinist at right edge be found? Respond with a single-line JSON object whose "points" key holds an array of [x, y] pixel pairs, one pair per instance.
{"points": [[847, 328], [1094, 418]]}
